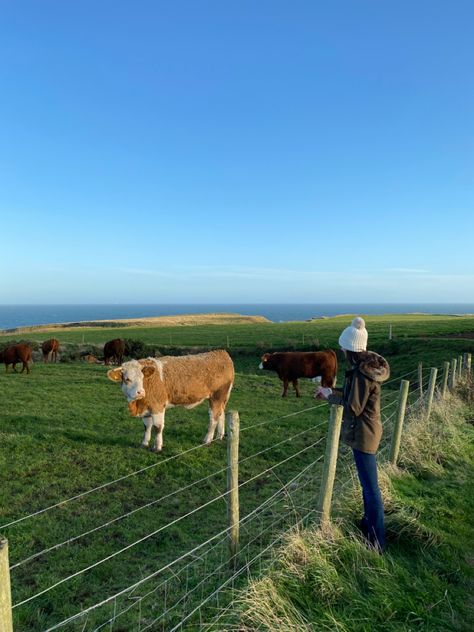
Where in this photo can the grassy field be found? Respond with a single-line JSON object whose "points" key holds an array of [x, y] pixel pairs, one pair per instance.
{"points": [[65, 430]]}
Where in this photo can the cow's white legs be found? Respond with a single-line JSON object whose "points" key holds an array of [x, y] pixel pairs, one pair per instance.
{"points": [[213, 420], [221, 426], [159, 423], [148, 423]]}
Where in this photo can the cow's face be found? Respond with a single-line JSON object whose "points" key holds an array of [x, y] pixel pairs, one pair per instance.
{"points": [[265, 363], [131, 375]]}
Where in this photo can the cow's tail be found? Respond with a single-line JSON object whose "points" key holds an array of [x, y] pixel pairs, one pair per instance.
{"points": [[335, 370]]}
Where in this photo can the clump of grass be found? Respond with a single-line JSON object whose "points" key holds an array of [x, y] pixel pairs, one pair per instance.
{"points": [[428, 443]]}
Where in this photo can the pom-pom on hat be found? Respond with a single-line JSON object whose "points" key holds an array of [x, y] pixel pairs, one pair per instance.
{"points": [[354, 337]]}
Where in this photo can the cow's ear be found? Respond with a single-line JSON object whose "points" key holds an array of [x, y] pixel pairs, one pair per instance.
{"points": [[148, 370], [115, 374]]}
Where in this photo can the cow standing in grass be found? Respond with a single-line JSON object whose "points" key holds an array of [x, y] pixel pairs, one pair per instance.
{"points": [[114, 350], [50, 350], [14, 354], [153, 385], [291, 365]]}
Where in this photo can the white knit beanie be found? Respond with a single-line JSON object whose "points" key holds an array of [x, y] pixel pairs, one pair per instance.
{"points": [[354, 337]]}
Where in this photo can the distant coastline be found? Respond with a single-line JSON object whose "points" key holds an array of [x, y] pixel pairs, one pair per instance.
{"points": [[16, 316]]}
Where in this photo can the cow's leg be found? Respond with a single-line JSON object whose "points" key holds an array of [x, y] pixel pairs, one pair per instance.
{"points": [[148, 423], [221, 426], [213, 421], [327, 380], [159, 423], [285, 387], [14, 367], [295, 386]]}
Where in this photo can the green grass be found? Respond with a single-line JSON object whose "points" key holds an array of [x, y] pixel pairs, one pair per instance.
{"points": [[65, 429]]}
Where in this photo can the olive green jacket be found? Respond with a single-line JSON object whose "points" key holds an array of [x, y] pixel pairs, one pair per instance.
{"points": [[360, 396]]}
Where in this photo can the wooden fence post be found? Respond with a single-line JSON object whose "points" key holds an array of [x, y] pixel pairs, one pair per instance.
{"points": [[444, 388], [330, 462], [460, 367], [397, 430], [420, 378], [467, 362], [233, 426], [390, 331], [431, 390], [452, 377], [6, 621]]}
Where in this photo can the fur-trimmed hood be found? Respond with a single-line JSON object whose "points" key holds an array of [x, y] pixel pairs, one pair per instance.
{"points": [[373, 366]]}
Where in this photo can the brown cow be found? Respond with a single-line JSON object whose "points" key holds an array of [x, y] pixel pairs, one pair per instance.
{"points": [[291, 365], [50, 350], [14, 354], [114, 350]]}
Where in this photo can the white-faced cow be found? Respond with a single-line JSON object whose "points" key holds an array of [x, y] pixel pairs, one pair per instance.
{"points": [[153, 385], [291, 365]]}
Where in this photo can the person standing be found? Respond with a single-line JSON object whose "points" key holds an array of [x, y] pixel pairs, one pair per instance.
{"points": [[361, 422]]}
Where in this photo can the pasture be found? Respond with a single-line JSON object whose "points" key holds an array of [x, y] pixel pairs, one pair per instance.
{"points": [[65, 430]]}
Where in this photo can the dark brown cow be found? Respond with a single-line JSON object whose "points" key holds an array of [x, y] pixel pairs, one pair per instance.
{"points": [[50, 350], [14, 354], [114, 350], [291, 365]]}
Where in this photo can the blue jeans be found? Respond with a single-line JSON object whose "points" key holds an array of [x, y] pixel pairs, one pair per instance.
{"points": [[373, 521]]}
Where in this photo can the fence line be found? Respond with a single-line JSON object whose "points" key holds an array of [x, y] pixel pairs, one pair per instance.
{"points": [[221, 566], [154, 502], [144, 469], [223, 532], [162, 528]]}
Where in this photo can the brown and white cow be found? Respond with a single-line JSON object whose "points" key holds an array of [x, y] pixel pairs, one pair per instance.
{"points": [[50, 350], [291, 365], [14, 354], [152, 385]]}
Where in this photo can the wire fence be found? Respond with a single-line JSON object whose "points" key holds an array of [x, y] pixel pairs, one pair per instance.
{"points": [[189, 587]]}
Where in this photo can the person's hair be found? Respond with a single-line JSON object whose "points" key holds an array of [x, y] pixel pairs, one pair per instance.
{"points": [[353, 357]]}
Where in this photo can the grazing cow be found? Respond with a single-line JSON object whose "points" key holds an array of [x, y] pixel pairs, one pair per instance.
{"points": [[50, 350], [291, 365], [14, 354], [114, 350], [151, 386]]}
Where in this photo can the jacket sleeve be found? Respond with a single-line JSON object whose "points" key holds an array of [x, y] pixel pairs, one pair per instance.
{"points": [[359, 394], [335, 397]]}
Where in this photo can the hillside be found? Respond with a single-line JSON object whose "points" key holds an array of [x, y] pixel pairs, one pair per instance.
{"points": [[154, 321]]}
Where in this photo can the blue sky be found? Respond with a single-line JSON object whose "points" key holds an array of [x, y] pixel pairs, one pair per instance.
{"points": [[257, 151]]}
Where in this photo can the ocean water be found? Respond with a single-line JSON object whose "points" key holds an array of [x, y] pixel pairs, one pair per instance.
{"points": [[12, 316]]}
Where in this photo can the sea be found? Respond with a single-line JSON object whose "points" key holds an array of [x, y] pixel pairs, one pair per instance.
{"points": [[12, 316]]}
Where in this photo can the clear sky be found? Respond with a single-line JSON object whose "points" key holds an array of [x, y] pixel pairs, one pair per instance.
{"points": [[230, 151]]}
